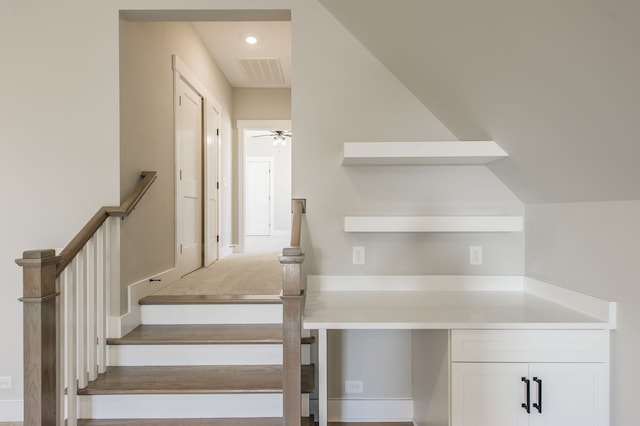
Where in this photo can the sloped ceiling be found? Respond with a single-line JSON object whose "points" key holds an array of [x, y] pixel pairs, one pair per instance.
{"points": [[555, 82]]}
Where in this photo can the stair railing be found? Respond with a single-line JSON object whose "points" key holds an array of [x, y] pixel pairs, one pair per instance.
{"points": [[66, 306], [292, 299]]}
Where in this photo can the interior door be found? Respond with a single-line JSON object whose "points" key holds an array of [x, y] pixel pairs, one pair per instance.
{"points": [[189, 132], [258, 197], [211, 170]]}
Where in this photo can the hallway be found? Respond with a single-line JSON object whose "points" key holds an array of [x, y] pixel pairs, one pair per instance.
{"points": [[257, 271]]}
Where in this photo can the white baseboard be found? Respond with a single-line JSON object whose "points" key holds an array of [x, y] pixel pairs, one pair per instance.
{"points": [[373, 410], [11, 410], [120, 326], [226, 251]]}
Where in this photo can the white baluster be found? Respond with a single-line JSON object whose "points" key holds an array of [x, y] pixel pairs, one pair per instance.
{"points": [[81, 303], [60, 344], [92, 370], [101, 323], [71, 348]]}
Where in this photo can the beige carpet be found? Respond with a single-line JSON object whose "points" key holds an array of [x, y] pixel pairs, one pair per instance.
{"points": [[253, 273]]}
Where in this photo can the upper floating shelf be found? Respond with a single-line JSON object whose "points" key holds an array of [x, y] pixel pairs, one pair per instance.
{"points": [[416, 153]]}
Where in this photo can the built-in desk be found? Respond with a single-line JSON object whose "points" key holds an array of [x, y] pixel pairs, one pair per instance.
{"points": [[552, 320]]}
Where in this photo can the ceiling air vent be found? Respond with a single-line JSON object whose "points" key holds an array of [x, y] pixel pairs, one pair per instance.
{"points": [[262, 71]]}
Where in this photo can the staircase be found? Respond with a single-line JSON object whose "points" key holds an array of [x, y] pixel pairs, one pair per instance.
{"points": [[196, 360]]}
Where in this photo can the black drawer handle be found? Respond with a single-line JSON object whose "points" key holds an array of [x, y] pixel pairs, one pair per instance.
{"points": [[538, 405], [527, 405]]}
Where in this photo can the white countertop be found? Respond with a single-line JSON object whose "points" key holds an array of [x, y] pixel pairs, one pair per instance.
{"points": [[347, 303]]}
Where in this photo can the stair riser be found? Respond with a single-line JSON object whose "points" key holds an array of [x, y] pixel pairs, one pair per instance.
{"points": [[183, 406], [127, 355], [212, 314], [138, 355]]}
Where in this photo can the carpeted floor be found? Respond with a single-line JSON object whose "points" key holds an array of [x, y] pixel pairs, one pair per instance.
{"points": [[252, 273]]}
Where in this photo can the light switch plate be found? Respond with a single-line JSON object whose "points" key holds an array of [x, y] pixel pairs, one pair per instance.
{"points": [[358, 255]]}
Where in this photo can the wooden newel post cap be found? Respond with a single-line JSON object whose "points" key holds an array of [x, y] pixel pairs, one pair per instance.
{"points": [[39, 274], [38, 258]]}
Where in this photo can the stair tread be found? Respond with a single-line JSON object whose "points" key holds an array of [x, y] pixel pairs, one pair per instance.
{"points": [[198, 334], [209, 379], [264, 421], [209, 299]]}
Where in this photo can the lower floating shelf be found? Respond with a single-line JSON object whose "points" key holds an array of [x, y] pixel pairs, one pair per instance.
{"points": [[433, 224]]}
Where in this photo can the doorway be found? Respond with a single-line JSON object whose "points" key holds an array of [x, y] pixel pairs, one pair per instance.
{"points": [[196, 151], [258, 153]]}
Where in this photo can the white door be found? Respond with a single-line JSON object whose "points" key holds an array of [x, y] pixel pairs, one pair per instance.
{"points": [[258, 197], [571, 394], [189, 183], [211, 179], [488, 394]]}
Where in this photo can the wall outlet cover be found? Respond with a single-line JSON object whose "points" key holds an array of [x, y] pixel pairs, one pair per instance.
{"points": [[6, 382], [353, 386]]}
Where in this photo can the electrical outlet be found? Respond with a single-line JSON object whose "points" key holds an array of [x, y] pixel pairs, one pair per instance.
{"points": [[475, 255], [353, 386], [6, 382], [358, 255]]}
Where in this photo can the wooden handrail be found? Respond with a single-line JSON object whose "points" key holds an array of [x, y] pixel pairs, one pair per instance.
{"points": [[78, 242], [298, 207], [43, 326]]}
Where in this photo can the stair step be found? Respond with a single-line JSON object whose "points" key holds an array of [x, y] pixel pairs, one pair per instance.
{"points": [[211, 309], [212, 344], [199, 334], [211, 379], [263, 421], [181, 406], [195, 299]]}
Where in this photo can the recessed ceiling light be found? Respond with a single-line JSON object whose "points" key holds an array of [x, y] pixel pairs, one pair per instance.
{"points": [[251, 39]]}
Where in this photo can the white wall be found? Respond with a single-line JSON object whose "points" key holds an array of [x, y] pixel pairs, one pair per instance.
{"points": [[342, 93], [593, 248]]}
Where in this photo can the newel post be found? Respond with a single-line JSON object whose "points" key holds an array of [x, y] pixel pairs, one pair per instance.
{"points": [[40, 354], [292, 297]]}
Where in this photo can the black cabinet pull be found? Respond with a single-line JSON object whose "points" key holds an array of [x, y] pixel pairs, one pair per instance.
{"points": [[538, 405], [527, 405]]}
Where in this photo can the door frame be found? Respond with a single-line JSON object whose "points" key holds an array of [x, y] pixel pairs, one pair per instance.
{"points": [[210, 174], [243, 126]]}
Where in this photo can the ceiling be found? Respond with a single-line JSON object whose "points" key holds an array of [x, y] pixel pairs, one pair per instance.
{"points": [[266, 64]]}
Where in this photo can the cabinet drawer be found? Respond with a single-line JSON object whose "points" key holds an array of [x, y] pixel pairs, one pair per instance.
{"points": [[530, 345]]}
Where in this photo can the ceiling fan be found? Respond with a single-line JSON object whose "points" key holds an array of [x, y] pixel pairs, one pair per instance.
{"points": [[279, 136]]}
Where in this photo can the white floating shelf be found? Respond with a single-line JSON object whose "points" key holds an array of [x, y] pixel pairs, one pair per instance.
{"points": [[433, 223], [415, 153]]}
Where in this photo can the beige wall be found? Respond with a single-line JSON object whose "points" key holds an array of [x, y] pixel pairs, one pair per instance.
{"points": [[593, 248], [60, 130], [261, 104], [147, 138]]}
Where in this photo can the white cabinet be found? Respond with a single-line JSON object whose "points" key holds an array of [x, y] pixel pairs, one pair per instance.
{"points": [[493, 385]]}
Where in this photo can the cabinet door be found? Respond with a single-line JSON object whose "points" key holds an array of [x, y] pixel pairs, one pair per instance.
{"points": [[488, 394], [572, 394]]}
